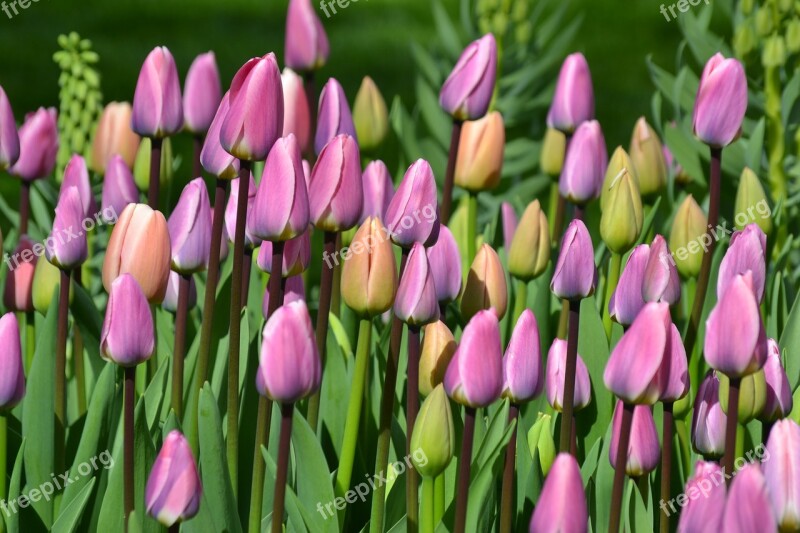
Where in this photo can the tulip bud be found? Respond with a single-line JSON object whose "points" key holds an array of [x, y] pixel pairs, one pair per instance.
{"points": [[412, 215], [556, 369], [437, 349], [12, 379], [684, 240], [529, 252], [444, 259], [561, 507], [622, 219], [369, 274], [434, 434], [141, 167], [140, 246], [704, 514], [573, 101], [77, 175], [468, 90], [540, 439], [370, 115], [114, 137], [648, 158], [335, 195], [295, 291], [9, 138], [779, 401], [626, 300], [255, 118], [296, 256], [289, 368], [66, 246], [510, 223], [296, 110], [721, 102], [486, 285], [474, 376], [751, 203], [157, 105], [334, 116], [127, 338], [170, 302], [522, 362], [416, 302], [18, 295], [554, 147], [747, 252], [793, 36], [619, 164], [46, 283], [38, 145], [201, 94], [119, 189], [782, 474], [190, 229], [773, 54], [213, 156], [708, 419], [752, 396], [644, 451], [480, 153], [251, 241], [378, 188], [173, 489], [307, 45], [585, 164], [674, 374], [575, 273], [661, 282], [748, 505]]}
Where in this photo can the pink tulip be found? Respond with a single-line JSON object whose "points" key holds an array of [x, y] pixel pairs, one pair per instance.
{"points": [[174, 488], [190, 229], [334, 116], [445, 261], [307, 45], [474, 376], [510, 222], [468, 90], [708, 419], [250, 239], [378, 190], [415, 302], [573, 102], [412, 215], [584, 165], [556, 369], [119, 187], [575, 274], [127, 338], [213, 156], [294, 291], [779, 400], [523, 376], [721, 102], [561, 507], [12, 378], [9, 138], [170, 302], [706, 500], [157, 104], [661, 282], [747, 251], [296, 256], [201, 93], [66, 245], [334, 191], [748, 505], [674, 373], [18, 295], [627, 300], [77, 175], [38, 145], [782, 473], [644, 451], [296, 110]]}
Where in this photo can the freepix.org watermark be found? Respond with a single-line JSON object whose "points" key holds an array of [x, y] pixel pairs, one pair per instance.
{"points": [[326, 5], [682, 6]]}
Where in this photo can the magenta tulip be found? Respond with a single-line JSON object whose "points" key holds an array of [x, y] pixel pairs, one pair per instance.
{"points": [[706, 500], [779, 400], [644, 451], [468, 90], [127, 337], [378, 190], [412, 215], [575, 274], [295, 291], [747, 251], [307, 45], [38, 145], [174, 488], [18, 294], [201, 93], [584, 165], [157, 104], [474, 376], [296, 110], [708, 419], [250, 239], [561, 507], [335, 196], [296, 256], [170, 302], [554, 383], [782, 473], [444, 259], [190, 229], [523, 376], [119, 187], [12, 378], [415, 302], [66, 246], [77, 175], [334, 116], [213, 156], [573, 102], [661, 282], [674, 373], [748, 505], [721, 102], [627, 300], [9, 137]]}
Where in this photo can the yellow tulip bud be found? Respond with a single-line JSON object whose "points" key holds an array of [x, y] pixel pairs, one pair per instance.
{"points": [[369, 274], [438, 347], [480, 153], [648, 158], [486, 285], [752, 395], [751, 203], [141, 168], [530, 248], [622, 218], [433, 440], [46, 283], [554, 147], [684, 241], [370, 116]]}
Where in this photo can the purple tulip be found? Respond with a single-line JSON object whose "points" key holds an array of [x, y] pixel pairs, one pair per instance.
{"points": [[444, 259], [119, 187], [296, 256], [127, 338], [510, 222], [782, 473], [170, 302], [573, 102], [561, 507], [280, 210], [575, 274], [554, 383], [213, 156], [201, 93], [66, 246], [174, 488], [307, 45], [250, 240], [708, 419], [706, 500], [333, 116], [644, 451], [627, 301], [255, 118], [412, 214], [523, 376], [584, 165], [12, 379], [415, 302], [38, 145], [289, 367], [335, 196], [674, 374], [77, 175], [190, 229], [474, 376], [295, 291], [736, 343], [9, 138], [378, 190], [779, 400], [721, 102], [747, 251], [468, 90], [157, 104], [661, 282], [748, 505], [296, 110]]}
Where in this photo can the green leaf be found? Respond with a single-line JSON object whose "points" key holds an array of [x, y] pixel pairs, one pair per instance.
{"points": [[156, 393], [12, 522], [312, 475], [71, 512], [446, 31], [297, 519], [438, 122], [482, 495], [340, 335], [755, 146], [790, 344]]}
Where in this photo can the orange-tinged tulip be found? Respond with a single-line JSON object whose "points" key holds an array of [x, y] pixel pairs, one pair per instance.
{"points": [[480, 154], [114, 136], [369, 275], [486, 285]]}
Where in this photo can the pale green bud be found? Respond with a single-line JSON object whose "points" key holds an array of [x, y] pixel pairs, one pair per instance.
{"points": [[433, 441]]}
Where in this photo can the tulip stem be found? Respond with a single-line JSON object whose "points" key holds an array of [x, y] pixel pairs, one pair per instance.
{"points": [[246, 269], [24, 206], [556, 213], [325, 290], [520, 301], [472, 225], [311, 96], [3, 459], [235, 325], [731, 424], [180, 344], [427, 519], [155, 173], [60, 371], [438, 499], [449, 178], [507, 495], [130, 385], [80, 373], [666, 463], [614, 267], [766, 429], [30, 339], [464, 465], [619, 467], [197, 168], [412, 408], [569, 376], [287, 411]]}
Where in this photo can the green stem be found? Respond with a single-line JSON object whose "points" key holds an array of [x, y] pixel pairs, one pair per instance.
{"points": [[427, 514], [520, 300], [472, 225], [180, 344], [614, 267], [438, 499], [412, 408], [30, 339], [128, 438], [60, 371], [3, 457]]}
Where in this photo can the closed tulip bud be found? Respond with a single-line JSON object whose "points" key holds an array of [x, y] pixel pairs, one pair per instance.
{"points": [[575, 274], [127, 338], [748, 505], [554, 147], [573, 102], [157, 104], [480, 153], [704, 515], [622, 218], [295, 291], [474, 376], [12, 379], [251, 241], [437, 349], [529, 253], [334, 116], [255, 118], [289, 367], [746, 252], [296, 108], [114, 137], [561, 507], [681, 407], [752, 396], [486, 285], [510, 223], [412, 215], [77, 175], [18, 294], [201, 93], [522, 363], [541, 440], [751, 203], [335, 195], [141, 167], [687, 229], [369, 274], [434, 434], [190, 229], [674, 375], [38, 145], [468, 90], [626, 300], [444, 259], [782, 474], [119, 189], [9, 138], [644, 451], [307, 45], [661, 282], [773, 54], [708, 419], [648, 158], [296, 256], [46, 283], [556, 370], [619, 164], [721, 102], [66, 246], [378, 188], [173, 490], [170, 302], [140, 246], [585, 165], [213, 156], [370, 115], [779, 401], [416, 302], [793, 36]]}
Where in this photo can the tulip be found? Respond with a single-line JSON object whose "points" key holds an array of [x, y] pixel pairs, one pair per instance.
{"points": [[141, 167], [648, 158], [529, 252], [675, 372], [434, 434], [46, 284], [627, 300], [296, 110], [251, 241], [289, 365], [748, 505], [18, 295], [779, 401], [190, 229], [661, 282], [706, 502], [114, 137], [157, 105], [294, 291], [139, 245], [721, 102], [752, 396], [378, 188], [751, 203], [127, 338], [213, 157], [9, 138], [444, 259], [510, 223], [201, 93], [561, 507], [12, 379], [573, 102], [688, 228], [38, 145], [77, 175], [554, 383], [438, 348], [307, 45], [468, 90], [173, 489], [486, 285], [554, 147], [474, 376], [254, 120], [119, 189], [334, 190], [523, 378], [170, 302], [575, 273], [296, 256], [708, 419], [334, 116], [370, 116], [66, 246], [585, 164], [480, 154], [416, 302], [747, 252], [782, 474], [622, 220], [644, 451], [415, 196], [369, 275]]}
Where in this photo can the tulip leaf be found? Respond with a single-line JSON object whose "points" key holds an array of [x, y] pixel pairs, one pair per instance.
{"points": [[298, 520], [12, 522], [311, 472], [686, 153], [439, 124], [603, 485], [494, 434], [426, 64], [446, 31], [71, 512], [790, 344], [340, 335], [335, 394], [482, 496], [755, 146], [156, 392]]}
